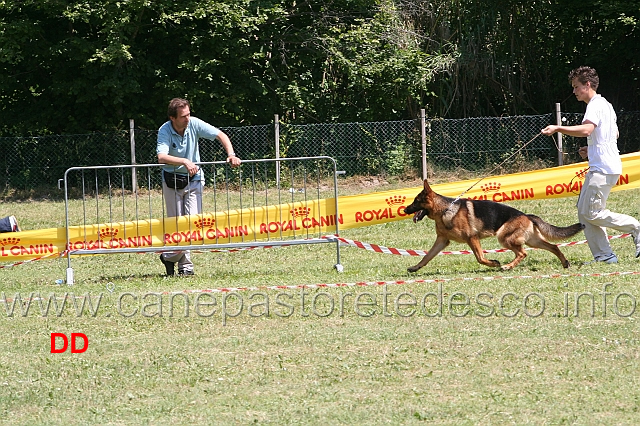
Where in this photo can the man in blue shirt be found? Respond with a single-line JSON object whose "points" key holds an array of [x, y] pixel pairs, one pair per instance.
{"points": [[183, 180]]}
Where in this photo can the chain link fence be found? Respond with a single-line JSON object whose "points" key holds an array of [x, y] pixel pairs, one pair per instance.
{"points": [[476, 145]]}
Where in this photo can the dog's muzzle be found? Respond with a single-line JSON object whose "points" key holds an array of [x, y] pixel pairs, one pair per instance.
{"points": [[417, 216]]}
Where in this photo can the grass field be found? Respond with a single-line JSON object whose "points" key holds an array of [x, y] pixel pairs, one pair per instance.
{"points": [[454, 344]]}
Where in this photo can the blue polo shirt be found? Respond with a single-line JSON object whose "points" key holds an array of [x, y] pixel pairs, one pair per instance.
{"points": [[170, 142]]}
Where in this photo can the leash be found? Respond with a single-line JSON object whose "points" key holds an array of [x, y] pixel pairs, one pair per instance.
{"points": [[580, 175], [492, 170]]}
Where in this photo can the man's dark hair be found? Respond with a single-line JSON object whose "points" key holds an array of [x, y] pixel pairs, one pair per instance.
{"points": [[584, 75], [175, 104]]}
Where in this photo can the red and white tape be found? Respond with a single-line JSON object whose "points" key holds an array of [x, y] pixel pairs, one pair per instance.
{"points": [[33, 260], [360, 284], [402, 252], [358, 244], [396, 282], [366, 284]]}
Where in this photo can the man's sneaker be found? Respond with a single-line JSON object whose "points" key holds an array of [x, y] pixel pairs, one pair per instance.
{"points": [[170, 267], [185, 272], [636, 241], [611, 259], [16, 228]]}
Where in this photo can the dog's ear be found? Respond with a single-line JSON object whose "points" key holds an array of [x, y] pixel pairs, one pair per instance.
{"points": [[426, 186]]}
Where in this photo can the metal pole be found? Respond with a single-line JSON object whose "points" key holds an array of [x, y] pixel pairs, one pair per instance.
{"points": [[424, 143], [277, 129], [559, 135], [338, 264], [69, 273], [132, 139]]}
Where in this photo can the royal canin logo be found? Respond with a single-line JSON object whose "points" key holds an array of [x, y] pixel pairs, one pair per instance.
{"points": [[205, 222], [108, 233], [395, 209], [490, 187], [300, 212], [396, 200], [9, 241]]}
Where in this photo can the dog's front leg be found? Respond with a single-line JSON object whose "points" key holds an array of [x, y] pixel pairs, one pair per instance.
{"points": [[474, 243], [438, 246]]}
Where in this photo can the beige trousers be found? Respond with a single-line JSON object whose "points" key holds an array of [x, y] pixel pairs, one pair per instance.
{"points": [[182, 202], [593, 213]]}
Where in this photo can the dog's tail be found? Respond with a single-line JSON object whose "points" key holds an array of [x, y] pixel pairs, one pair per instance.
{"points": [[555, 233]]}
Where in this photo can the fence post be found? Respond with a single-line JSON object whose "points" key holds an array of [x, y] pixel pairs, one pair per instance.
{"points": [[559, 135], [277, 130], [132, 139], [424, 143]]}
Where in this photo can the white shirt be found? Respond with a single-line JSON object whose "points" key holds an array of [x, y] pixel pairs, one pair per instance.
{"points": [[603, 141]]}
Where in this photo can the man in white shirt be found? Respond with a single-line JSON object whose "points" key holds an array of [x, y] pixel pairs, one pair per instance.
{"points": [[600, 128]]}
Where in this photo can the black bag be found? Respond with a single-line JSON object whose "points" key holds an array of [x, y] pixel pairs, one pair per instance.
{"points": [[175, 180]]}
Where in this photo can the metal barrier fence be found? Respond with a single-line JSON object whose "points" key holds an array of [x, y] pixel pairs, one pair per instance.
{"points": [[262, 203], [373, 148]]}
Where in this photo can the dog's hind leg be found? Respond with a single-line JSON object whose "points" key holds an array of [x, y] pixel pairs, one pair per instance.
{"points": [[520, 255], [438, 246], [514, 241], [538, 241], [476, 248]]}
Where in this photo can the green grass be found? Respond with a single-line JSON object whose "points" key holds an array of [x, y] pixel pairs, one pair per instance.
{"points": [[474, 364]]}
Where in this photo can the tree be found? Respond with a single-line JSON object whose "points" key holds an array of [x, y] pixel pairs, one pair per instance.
{"points": [[76, 67]]}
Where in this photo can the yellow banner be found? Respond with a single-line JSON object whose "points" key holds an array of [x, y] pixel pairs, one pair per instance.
{"points": [[555, 182], [299, 220]]}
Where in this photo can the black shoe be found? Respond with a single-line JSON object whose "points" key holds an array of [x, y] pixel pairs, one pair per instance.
{"points": [[185, 273], [169, 266]]}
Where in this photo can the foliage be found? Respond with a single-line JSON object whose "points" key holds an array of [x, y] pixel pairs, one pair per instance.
{"points": [[515, 56], [77, 67]]}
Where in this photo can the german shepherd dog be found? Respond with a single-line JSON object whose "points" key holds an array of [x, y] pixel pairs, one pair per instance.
{"points": [[468, 221]]}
